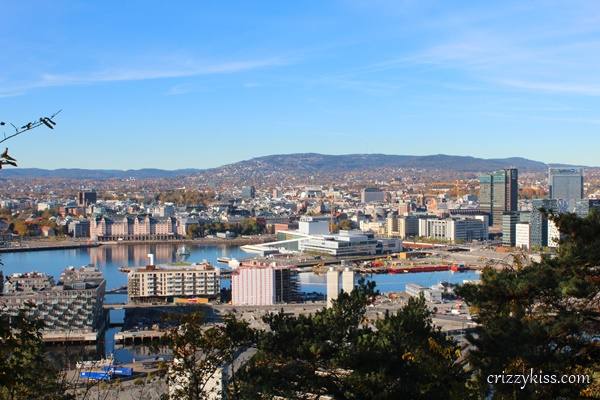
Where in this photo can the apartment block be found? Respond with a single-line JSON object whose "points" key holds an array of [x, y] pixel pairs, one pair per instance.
{"points": [[165, 282]]}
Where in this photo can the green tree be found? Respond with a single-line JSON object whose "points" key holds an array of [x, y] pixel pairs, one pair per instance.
{"points": [[337, 352], [542, 316], [24, 370], [200, 352]]}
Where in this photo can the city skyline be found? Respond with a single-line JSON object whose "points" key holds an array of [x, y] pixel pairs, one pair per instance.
{"points": [[203, 85]]}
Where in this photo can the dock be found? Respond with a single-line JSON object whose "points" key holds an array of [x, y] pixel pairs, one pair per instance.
{"points": [[70, 337], [136, 337]]}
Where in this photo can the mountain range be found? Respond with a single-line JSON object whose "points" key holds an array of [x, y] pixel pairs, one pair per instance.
{"points": [[299, 163]]}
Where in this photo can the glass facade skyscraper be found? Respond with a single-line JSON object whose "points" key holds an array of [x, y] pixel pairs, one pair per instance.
{"points": [[566, 184], [538, 223], [499, 193]]}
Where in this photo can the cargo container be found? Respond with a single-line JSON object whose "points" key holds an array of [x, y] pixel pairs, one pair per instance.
{"points": [[95, 375], [119, 371]]}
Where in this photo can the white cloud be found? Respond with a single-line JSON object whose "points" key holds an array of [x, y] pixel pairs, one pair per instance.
{"points": [[183, 69]]}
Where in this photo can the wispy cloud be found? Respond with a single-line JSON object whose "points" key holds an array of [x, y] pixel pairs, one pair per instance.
{"points": [[121, 74], [541, 46], [555, 87]]}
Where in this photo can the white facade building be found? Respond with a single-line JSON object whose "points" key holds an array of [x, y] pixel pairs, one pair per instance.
{"points": [[430, 294], [167, 281], [453, 229], [343, 244], [314, 225], [522, 236], [347, 280], [333, 285], [553, 234], [261, 284]]}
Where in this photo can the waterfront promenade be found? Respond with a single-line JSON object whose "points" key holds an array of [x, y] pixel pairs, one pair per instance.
{"points": [[65, 244]]}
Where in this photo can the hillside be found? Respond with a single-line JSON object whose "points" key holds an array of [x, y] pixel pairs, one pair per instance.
{"points": [[296, 165]]}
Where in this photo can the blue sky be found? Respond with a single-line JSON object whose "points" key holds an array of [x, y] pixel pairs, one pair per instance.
{"points": [[203, 83]]}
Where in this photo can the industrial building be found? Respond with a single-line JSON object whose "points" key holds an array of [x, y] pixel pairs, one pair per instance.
{"points": [[333, 283], [166, 282], [71, 310], [430, 294], [257, 283]]}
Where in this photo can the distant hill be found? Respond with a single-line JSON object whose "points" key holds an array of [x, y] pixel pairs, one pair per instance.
{"points": [[298, 164], [307, 162], [78, 173]]}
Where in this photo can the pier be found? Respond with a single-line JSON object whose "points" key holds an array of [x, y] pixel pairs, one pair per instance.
{"points": [[137, 337]]}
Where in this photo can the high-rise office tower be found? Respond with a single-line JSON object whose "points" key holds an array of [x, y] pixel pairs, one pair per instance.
{"points": [[85, 197], [509, 226], [499, 193], [566, 184], [583, 207], [539, 222]]}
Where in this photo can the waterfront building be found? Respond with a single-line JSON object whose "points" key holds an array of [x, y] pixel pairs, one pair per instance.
{"points": [[344, 243], [372, 195], [566, 184], [333, 285], [257, 283], [499, 193], [137, 227], [27, 282], [71, 310], [165, 282], [314, 225], [522, 235], [347, 280], [79, 228]]}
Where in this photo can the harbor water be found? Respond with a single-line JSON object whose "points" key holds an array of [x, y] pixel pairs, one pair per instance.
{"points": [[110, 258]]}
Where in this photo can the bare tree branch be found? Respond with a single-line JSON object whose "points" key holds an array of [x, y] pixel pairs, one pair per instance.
{"points": [[47, 121]]}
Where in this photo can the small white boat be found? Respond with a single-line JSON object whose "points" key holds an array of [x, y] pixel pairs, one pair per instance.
{"points": [[183, 251]]}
